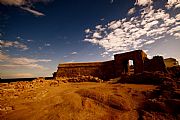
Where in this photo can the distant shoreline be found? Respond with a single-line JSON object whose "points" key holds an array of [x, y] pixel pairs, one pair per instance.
{"points": [[20, 79]]}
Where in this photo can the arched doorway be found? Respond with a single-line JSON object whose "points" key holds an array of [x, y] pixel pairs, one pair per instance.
{"points": [[131, 67]]}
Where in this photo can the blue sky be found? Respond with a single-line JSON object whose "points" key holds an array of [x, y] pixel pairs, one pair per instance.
{"points": [[37, 35]]}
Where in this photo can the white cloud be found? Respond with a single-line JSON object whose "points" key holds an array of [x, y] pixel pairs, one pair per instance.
{"points": [[29, 66], [17, 75], [73, 53], [177, 35], [132, 11], [177, 5], [29, 40], [47, 44], [149, 42], [104, 54], [178, 16], [27, 61], [102, 19], [40, 48], [114, 24], [23, 75], [97, 35], [143, 2], [35, 12], [3, 56], [15, 44], [174, 30], [25, 5], [173, 2], [87, 31], [13, 2], [99, 28], [20, 62], [148, 25], [136, 32], [18, 38]]}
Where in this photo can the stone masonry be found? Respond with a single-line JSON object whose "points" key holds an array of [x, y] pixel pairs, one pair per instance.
{"points": [[114, 68]]}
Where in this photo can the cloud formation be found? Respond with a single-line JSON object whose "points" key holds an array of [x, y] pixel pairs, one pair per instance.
{"points": [[37, 13], [74, 53], [47, 44], [13, 2], [137, 31], [143, 2], [17, 75], [20, 62], [132, 11], [25, 5], [15, 44], [3, 57]]}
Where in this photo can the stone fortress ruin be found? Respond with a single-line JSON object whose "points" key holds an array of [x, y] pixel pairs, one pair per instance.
{"points": [[114, 68]]}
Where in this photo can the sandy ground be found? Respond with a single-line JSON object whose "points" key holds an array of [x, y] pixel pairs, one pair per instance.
{"points": [[73, 101]]}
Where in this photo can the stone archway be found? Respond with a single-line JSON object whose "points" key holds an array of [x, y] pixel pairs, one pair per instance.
{"points": [[122, 65]]}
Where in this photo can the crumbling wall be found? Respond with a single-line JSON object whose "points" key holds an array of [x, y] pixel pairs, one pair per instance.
{"points": [[77, 69], [115, 68], [171, 62], [155, 64], [122, 62], [108, 70], [103, 70]]}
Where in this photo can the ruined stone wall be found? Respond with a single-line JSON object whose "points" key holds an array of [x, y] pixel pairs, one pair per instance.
{"points": [[108, 70], [170, 62], [115, 68], [103, 70], [155, 64], [122, 65]]}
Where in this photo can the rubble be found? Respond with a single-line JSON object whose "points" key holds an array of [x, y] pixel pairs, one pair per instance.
{"points": [[79, 79]]}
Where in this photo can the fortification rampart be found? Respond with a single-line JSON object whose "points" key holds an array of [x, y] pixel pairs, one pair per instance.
{"points": [[114, 68], [103, 70]]}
